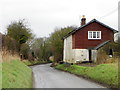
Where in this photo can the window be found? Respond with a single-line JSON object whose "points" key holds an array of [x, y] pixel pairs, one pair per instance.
{"points": [[90, 34], [94, 34], [98, 34]]}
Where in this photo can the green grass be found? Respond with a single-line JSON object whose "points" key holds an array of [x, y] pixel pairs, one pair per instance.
{"points": [[34, 62], [16, 74], [104, 73]]}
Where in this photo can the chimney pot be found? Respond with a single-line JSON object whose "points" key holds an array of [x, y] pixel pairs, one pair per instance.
{"points": [[83, 20]]}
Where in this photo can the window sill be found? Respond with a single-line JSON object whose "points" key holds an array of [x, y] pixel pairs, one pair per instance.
{"points": [[94, 39]]}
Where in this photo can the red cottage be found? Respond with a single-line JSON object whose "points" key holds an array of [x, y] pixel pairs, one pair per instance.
{"points": [[82, 44]]}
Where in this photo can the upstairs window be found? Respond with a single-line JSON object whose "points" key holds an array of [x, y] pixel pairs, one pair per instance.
{"points": [[94, 34]]}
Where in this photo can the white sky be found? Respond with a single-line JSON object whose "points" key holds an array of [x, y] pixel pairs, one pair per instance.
{"points": [[45, 15]]}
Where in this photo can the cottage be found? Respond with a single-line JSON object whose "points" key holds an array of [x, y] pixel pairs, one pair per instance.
{"points": [[83, 43]]}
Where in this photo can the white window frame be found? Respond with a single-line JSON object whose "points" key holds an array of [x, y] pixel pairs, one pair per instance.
{"points": [[92, 35]]}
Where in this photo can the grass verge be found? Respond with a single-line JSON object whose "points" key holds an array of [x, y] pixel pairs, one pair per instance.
{"points": [[30, 63], [16, 74], [105, 73]]}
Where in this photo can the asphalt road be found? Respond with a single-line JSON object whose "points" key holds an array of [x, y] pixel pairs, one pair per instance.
{"points": [[47, 77]]}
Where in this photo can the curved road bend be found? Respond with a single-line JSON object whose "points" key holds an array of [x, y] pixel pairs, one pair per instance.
{"points": [[48, 77]]}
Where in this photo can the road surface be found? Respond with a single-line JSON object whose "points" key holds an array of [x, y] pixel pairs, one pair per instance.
{"points": [[48, 77]]}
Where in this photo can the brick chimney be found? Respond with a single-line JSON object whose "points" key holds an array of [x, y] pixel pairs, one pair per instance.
{"points": [[83, 20]]}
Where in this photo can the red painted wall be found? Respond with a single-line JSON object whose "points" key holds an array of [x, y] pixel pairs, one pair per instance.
{"points": [[80, 38]]}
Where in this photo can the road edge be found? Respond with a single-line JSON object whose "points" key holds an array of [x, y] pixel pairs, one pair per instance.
{"points": [[87, 78], [33, 80]]}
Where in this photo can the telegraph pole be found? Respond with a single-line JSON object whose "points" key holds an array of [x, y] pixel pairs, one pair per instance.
{"points": [[119, 18]]}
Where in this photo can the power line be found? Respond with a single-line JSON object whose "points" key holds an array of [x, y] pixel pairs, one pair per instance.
{"points": [[109, 13]]}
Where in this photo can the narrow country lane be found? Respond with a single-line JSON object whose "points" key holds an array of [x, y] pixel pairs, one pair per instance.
{"points": [[48, 77]]}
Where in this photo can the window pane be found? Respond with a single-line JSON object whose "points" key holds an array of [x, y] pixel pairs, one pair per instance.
{"points": [[94, 34], [90, 34], [98, 34]]}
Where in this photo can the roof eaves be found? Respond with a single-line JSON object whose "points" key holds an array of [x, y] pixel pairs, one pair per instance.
{"points": [[101, 45], [70, 33], [106, 26]]}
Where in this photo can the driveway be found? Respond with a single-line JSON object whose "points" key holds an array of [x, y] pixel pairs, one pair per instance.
{"points": [[48, 77]]}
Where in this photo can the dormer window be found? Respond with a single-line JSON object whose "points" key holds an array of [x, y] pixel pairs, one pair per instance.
{"points": [[94, 34]]}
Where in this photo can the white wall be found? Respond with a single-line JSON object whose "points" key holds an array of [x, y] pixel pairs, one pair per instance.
{"points": [[116, 35], [94, 55], [81, 54], [68, 49], [73, 55]]}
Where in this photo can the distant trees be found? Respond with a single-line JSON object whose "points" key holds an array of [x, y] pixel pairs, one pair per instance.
{"points": [[56, 41], [19, 31], [16, 38], [9, 44], [24, 51], [19, 38], [41, 48], [44, 47]]}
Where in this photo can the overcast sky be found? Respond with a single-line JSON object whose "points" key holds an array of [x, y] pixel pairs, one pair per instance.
{"points": [[44, 16]]}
